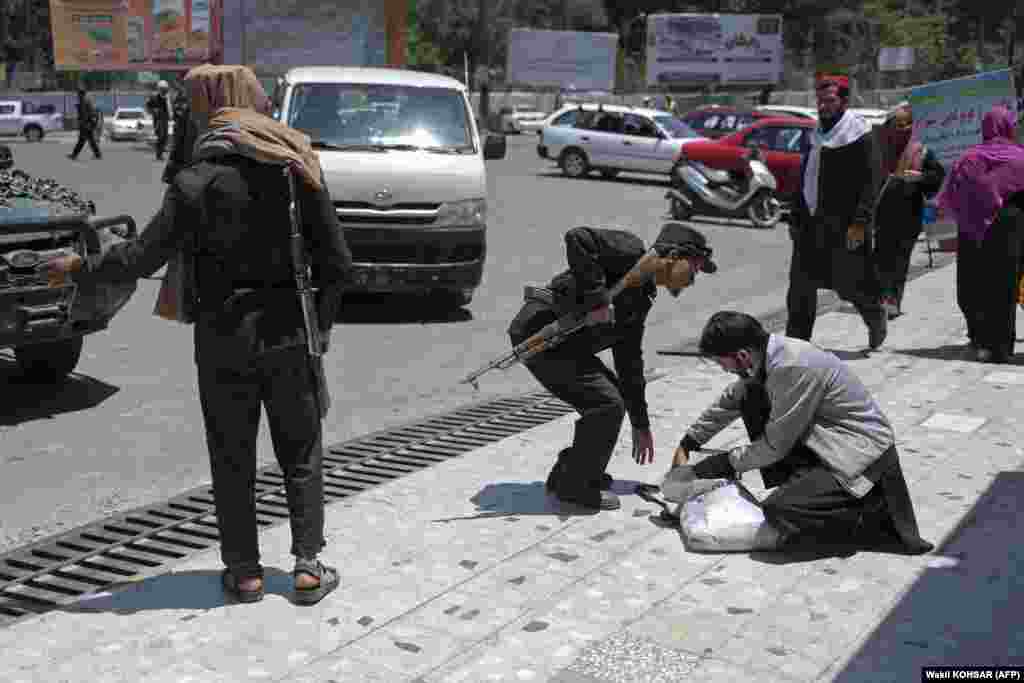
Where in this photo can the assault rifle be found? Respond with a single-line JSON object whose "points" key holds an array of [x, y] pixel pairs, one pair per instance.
{"points": [[554, 333], [300, 266]]}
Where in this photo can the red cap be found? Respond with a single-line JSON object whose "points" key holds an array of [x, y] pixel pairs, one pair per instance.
{"points": [[831, 79]]}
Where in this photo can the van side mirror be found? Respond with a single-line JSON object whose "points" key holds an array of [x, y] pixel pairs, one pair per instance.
{"points": [[495, 146]]}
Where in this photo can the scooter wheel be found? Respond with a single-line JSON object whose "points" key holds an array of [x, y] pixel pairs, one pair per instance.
{"points": [[764, 211]]}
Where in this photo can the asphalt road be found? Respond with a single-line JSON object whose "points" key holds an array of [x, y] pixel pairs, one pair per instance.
{"points": [[126, 429]]}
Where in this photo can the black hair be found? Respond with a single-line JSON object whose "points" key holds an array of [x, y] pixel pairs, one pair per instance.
{"points": [[730, 331]]}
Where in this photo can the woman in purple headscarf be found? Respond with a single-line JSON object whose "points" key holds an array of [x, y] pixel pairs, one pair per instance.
{"points": [[984, 195]]}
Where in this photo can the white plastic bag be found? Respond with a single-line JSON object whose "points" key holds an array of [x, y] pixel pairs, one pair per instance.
{"points": [[681, 484], [726, 519]]}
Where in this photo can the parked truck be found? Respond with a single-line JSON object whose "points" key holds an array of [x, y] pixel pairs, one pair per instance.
{"points": [[34, 121]]}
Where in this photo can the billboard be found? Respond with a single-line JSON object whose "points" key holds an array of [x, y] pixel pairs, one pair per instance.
{"points": [[714, 49], [273, 36], [573, 60], [127, 35], [947, 114]]}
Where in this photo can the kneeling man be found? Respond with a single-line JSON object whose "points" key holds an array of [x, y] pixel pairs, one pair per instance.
{"points": [[817, 436]]}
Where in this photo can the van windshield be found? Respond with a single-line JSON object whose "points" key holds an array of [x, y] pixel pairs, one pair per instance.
{"points": [[342, 115]]}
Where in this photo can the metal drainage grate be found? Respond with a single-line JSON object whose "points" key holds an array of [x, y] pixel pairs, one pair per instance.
{"points": [[42, 576]]}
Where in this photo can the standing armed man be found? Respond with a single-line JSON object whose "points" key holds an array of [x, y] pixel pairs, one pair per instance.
{"points": [[88, 126], [159, 106], [225, 231]]}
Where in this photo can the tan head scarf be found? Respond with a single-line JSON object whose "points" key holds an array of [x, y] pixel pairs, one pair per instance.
{"points": [[232, 102]]}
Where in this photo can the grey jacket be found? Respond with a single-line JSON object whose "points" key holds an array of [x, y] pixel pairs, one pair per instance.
{"points": [[815, 399]]}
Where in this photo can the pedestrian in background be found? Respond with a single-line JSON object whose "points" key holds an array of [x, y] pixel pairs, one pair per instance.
{"points": [[983, 195], [912, 173], [159, 107], [88, 125], [598, 259], [224, 233], [833, 218]]}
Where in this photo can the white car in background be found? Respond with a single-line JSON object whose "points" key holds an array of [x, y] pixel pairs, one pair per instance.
{"points": [[875, 117], [519, 118], [130, 123], [614, 138]]}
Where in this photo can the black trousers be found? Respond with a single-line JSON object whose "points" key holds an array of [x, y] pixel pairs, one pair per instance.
{"points": [[86, 136], [588, 385], [986, 282], [861, 288], [284, 383], [808, 502], [893, 248], [160, 128]]}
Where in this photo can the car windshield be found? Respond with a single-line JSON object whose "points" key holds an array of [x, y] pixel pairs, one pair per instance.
{"points": [[345, 115], [675, 128], [130, 115]]}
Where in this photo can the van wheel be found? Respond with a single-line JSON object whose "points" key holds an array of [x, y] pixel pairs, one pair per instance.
{"points": [[574, 163], [33, 133], [49, 362], [451, 299]]}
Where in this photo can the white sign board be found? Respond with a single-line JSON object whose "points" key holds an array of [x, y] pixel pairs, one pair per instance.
{"points": [[574, 60], [714, 49], [947, 114], [895, 58]]}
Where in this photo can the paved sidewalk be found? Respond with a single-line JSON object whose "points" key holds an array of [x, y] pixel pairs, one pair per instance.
{"points": [[466, 571]]}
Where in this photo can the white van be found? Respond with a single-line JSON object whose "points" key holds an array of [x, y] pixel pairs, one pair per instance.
{"points": [[405, 166]]}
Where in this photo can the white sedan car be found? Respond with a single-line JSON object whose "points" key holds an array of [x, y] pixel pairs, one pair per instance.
{"points": [[130, 123], [519, 118], [614, 138]]}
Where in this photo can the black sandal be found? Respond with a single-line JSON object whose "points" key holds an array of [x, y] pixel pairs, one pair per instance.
{"points": [[230, 583], [328, 576]]}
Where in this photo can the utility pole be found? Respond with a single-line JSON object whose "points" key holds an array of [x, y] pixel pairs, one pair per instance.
{"points": [[565, 15]]}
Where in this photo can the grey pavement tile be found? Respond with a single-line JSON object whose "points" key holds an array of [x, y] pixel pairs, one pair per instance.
{"points": [[467, 616], [565, 558], [710, 670], [518, 582], [349, 665], [627, 658], [493, 665], [687, 626], [771, 653], [409, 649]]}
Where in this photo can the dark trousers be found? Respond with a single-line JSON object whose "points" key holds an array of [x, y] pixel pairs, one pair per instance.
{"points": [[857, 283], [589, 386], [86, 136], [160, 129], [893, 249], [283, 382], [808, 502], [986, 282]]}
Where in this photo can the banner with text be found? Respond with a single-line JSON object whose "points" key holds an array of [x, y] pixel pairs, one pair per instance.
{"points": [[130, 35], [714, 49], [572, 60], [947, 114]]}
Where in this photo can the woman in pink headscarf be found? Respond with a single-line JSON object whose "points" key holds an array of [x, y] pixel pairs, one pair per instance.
{"points": [[985, 195]]}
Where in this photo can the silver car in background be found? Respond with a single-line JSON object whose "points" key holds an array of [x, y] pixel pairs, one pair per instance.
{"points": [[614, 138]]}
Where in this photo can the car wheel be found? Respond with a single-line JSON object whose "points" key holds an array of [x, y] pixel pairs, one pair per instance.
{"points": [[49, 362], [610, 173], [33, 133], [574, 163], [765, 210]]}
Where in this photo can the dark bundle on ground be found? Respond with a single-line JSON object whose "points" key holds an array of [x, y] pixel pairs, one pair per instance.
{"points": [[17, 185]]}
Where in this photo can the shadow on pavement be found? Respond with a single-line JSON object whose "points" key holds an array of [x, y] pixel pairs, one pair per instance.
{"points": [[25, 401], [847, 356], [965, 606], [399, 308], [955, 352], [191, 590], [510, 499]]}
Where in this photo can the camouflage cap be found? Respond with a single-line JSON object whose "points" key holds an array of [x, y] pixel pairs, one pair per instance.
{"points": [[680, 238]]}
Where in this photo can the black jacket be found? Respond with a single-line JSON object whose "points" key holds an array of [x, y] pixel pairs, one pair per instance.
{"points": [[598, 259], [231, 213], [88, 115], [847, 189], [901, 202], [159, 107]]}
